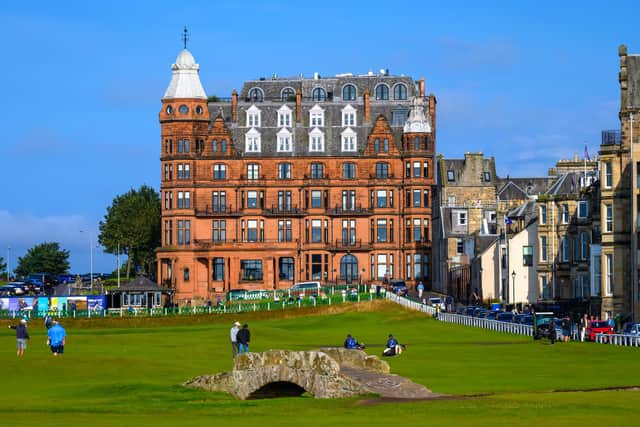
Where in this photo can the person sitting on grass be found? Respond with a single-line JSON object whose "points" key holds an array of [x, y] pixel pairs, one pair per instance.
{"points": [[351, 343], [393, 347]]}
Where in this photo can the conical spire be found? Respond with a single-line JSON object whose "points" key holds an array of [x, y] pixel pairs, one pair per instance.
{"points": [[185, 82], [417, 121]]}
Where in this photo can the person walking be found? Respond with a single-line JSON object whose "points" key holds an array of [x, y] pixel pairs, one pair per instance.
{"points": [[234, 338], [584, 322], [420, 289], [243, 337], [22, 335], [56, 338]]}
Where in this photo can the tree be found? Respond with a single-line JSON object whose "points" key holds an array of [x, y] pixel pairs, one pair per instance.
{"points": [[133, 222], [3, 265], [44, 258]]}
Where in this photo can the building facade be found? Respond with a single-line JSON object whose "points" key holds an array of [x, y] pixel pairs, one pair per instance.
{"points": [[295, 179]]}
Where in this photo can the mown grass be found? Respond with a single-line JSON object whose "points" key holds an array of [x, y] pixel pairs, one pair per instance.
{"points": [[129, 371]]}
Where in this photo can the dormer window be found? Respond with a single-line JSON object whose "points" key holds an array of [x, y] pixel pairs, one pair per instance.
{"points": [[284, 116], [288, 95], [253, 117], [316, 117], [318, 94], [348, 116], [349, 140], [486, 176], [400, 91], [451, 176], [284, 141], [382, 92], [316, 140], [256, 95], [349, 93], [252, 141]]}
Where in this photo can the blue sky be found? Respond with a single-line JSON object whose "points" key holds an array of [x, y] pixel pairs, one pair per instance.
{"points": [[83, 81]]}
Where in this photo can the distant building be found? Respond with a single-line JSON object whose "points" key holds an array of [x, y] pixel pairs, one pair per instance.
{"points": [[294, 179]]}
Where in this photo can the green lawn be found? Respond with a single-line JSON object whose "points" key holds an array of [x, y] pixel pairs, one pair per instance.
{"points": [[127, 372]]}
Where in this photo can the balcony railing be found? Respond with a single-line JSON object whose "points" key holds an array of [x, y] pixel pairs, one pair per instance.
{"points": [[284, 211], [349, 245], [221, 211], [210, 243], [355, 211]]}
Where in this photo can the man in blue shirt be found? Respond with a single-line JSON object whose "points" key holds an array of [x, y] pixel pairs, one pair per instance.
{"points": [[56, 338], [352, 344]]}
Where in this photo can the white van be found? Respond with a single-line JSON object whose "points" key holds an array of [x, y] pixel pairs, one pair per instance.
{"points": [[312, 287]]}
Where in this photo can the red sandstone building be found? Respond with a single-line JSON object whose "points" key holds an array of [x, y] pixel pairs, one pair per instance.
{"points": [[295, 179]]}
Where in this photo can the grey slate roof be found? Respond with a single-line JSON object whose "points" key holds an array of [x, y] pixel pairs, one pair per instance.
{"points": [[567, 184], [332, 113], [522, 188], [140, 284], [464, 178]]}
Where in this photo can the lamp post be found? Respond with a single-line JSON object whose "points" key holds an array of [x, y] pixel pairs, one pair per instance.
{"points": [[90, 259], [513, 295], [8, 262]]}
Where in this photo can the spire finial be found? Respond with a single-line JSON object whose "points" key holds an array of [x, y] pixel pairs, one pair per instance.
{"points": [[185, 36]]}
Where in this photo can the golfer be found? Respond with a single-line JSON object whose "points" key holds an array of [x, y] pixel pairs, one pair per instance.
{"points": [[234, 338], [22, 335], [57, 337]]}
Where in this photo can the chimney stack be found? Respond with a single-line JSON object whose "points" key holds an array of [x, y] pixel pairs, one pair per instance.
{"points": [[234, 106], [299, 105], [367, 108], [421, 87]]}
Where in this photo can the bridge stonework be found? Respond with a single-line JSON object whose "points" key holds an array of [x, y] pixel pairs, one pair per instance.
{"points": [[287, 373]]}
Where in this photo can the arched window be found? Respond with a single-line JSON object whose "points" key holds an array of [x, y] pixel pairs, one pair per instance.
{"points": [[349, 268], [223, 144], [400, 91], [349, 93], [256, 95], [214, 146], [382, 92], [288, 94], [318, 94]]}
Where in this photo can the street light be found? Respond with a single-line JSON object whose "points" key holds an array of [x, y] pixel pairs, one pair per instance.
{"points": [[513, 296], [8, 262], [90, 259]]}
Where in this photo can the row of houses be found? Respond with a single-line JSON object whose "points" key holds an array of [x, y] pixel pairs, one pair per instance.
{"points": [[567, 238]]}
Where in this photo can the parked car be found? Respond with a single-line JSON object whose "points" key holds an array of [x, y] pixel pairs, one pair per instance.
{"points": [[505, 317], [398, 287], [12, 289], [632, 329], [44, 279], [437, 303], [491, 315], [599, 327]]}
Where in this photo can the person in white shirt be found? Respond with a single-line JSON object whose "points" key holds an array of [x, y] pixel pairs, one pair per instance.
{"points": [[233, 334]]}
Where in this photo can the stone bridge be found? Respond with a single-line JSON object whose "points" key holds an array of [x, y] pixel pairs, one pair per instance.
{"points": [[323, 373]]}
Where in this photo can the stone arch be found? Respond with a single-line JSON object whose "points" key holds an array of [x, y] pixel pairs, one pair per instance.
{"points": [[277, 389]]}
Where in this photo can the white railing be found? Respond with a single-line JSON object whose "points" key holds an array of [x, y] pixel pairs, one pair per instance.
{"points": [[414, 305], [618, 339], [476, 322], [492, 325]]}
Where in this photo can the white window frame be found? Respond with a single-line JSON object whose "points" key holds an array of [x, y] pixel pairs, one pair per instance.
{"points": [[284, 139], [254, 117], [608, 174], [349, 140], [608, 218], [284, 117], [316, 117], [564, 213], [543, 214], [544, 249], [566, 250], [609, 276], [316, 141], [253, 142], [586, 204], [348, 116], [461, 218]]}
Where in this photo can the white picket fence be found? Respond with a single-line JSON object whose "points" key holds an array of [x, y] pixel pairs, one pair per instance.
{"points": [[617, 339], [414, 305], [493, 325]]}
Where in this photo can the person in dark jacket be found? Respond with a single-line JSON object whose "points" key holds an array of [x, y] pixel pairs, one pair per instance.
{"points": [[352, 344], [243, 337], [22, 335]]}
